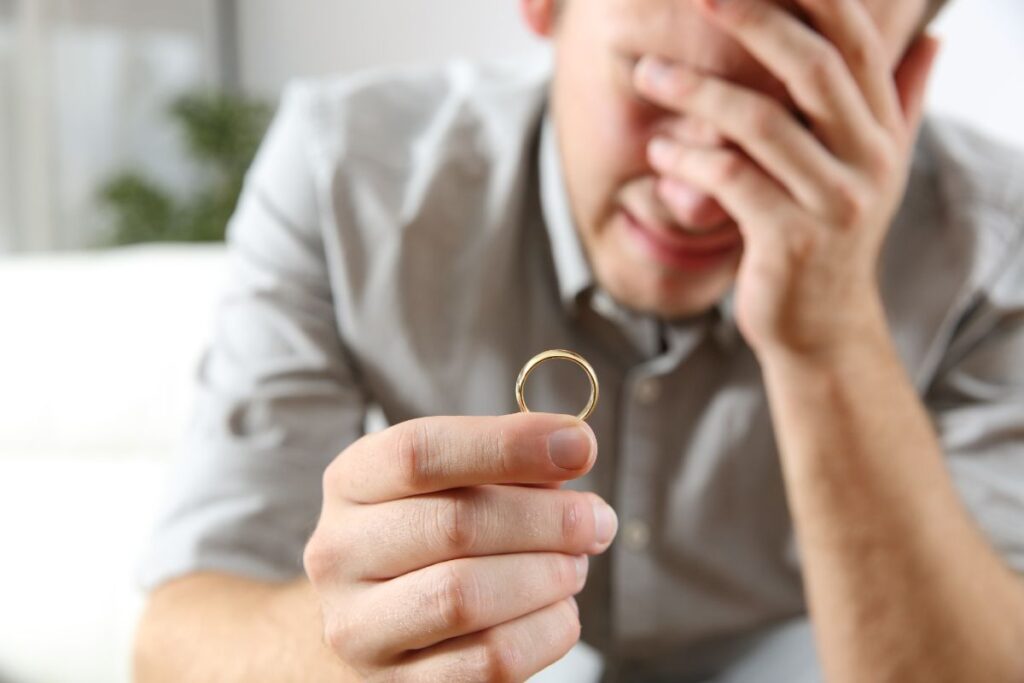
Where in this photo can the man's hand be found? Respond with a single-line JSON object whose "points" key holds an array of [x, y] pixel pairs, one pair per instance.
{"points": [[813, 203], [893, 566], [447, 551]]}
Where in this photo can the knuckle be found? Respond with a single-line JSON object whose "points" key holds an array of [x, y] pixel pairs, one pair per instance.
{"points": [[881, 161], [334, 478], [455, 600], [746, 14], [769, 269], [572, 512], [701, 132], [563, 572], [851, 203], [504, 448], [802, 242], [862, 56], [729, 169], [456, 523], [496, 661], [328, 549], [573, 629], [412, 448], [338, 636], [867, 53], [820, 66], [318, 559], [763, 120]]}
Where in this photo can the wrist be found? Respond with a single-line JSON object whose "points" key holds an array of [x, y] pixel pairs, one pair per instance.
{"points": [[858, 338], [862, 353]]}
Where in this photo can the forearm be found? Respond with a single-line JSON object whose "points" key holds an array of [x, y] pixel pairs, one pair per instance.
{"points": [[214, 627], [901, 585]]}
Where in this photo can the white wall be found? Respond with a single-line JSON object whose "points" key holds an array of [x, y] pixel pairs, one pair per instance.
{"points": [[281, 40], [978, 75]]}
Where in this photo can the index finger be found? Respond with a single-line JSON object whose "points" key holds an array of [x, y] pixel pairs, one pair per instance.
{"points": [[850, 26], [810, 65], [437, 453]]}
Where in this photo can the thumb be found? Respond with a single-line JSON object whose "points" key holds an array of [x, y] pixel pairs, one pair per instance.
{"points": [[912, 77]]}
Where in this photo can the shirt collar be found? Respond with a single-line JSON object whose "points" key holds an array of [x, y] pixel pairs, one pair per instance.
{"points": [[572, 269]]}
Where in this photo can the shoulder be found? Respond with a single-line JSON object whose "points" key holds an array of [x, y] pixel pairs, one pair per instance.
{"points": [[390, 157], [957, 244], [964, 203], [414, 154], [422, 178], [978, 178], [384, 115], [981, 179]]}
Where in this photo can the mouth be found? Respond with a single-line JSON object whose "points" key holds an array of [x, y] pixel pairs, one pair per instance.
{"points": [[675, 248]]}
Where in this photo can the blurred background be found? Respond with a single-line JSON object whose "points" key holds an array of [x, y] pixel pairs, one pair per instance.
{"points": [[131, 122]]}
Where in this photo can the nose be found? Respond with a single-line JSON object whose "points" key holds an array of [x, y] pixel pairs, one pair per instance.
{"points": [[691, 208]]}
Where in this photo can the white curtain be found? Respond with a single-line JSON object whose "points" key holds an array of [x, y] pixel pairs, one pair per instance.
{"points": [[7, 118], [84, 87]]}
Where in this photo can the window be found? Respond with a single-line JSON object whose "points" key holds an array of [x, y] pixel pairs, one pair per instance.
{"points": [[84, 86]]}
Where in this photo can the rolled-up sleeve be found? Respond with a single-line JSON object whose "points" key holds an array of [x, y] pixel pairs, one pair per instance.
{"points": [[277, 395], [978, 406]]}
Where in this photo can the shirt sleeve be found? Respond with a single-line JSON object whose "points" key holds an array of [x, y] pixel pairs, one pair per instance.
{"points": [[978, 407], [277, 396]]}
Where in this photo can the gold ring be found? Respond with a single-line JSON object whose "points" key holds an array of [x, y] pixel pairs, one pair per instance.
{"points": [[564, 355]]}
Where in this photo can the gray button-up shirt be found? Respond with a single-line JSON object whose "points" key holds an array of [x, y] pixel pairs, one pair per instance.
{"points": [[404, 241]]}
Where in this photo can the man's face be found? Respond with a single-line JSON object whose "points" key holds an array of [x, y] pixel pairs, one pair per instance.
{"points": [[656, 246]]}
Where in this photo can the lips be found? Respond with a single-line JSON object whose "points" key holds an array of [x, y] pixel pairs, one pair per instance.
{"points": [[671, 246]]}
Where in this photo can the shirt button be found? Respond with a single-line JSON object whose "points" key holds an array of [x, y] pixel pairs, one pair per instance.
{"points": [[636, 534], [648, 390]]}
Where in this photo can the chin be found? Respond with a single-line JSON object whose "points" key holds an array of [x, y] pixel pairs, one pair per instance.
{"points": [[663, 291], [646, 279]]}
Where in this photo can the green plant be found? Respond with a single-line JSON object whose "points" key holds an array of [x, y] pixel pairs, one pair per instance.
{"points": [[223, 132]]}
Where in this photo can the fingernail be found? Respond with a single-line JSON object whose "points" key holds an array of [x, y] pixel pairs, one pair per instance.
{"points": [[570, 448], [606, 523], [654, 71], [582, 566], [662, 151]]}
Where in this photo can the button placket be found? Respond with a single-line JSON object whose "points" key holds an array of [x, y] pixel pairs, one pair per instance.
{"points": [[636, 534], [635, 574], [648, 390]]}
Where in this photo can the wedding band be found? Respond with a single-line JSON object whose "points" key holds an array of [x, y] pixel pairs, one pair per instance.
{"points": [[564, 355]]}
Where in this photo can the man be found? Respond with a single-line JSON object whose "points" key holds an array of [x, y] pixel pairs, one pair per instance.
{"points": [[804, 308]]}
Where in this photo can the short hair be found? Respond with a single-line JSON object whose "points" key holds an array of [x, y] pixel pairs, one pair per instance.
{"points": [[934, 7]]}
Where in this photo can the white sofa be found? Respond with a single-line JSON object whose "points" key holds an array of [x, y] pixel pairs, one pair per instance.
{"points": [[97, 355], [97, 352]]}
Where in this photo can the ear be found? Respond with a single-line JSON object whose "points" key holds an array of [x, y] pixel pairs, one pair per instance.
{"points": [[912, 77], [541, 15]]}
